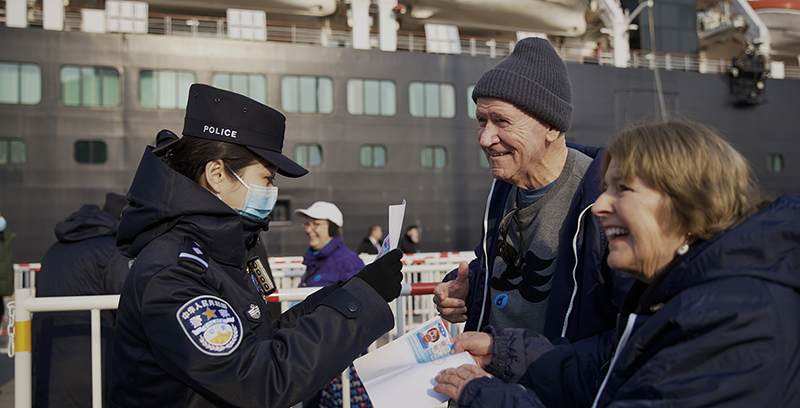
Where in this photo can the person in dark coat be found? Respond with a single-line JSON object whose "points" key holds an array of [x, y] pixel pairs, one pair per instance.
{"points": [[409, 242], [713, 317], [540, 264], [371, 244], [6, 263], [193, 329], [84, 262]]}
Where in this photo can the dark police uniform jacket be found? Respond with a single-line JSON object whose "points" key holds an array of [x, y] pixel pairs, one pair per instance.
{"points": [[192, 331]]}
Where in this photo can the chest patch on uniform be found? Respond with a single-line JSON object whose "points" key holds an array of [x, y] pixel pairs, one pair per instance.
{"points": [[211, 324]]}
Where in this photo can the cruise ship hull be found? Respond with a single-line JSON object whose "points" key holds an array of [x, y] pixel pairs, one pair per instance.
{"points": [[447, 203]]}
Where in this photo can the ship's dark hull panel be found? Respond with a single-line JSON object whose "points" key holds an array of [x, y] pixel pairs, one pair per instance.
{"points": [[446, 203]]}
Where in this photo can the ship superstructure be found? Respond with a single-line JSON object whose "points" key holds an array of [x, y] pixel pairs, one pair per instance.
{"points": [[376, 94]]}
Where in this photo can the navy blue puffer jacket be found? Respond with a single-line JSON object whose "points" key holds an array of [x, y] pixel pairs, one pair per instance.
{"points": [[719, 328]]}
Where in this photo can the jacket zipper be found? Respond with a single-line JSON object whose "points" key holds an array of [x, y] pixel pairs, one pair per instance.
{"points": [[624, 339], [486, 254], [574, 273]]}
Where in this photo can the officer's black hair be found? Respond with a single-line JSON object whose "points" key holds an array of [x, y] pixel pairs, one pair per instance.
{"points": [[189, 156]]}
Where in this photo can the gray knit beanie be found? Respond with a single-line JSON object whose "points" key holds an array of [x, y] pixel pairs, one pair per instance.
{"points": [[534, 79]]}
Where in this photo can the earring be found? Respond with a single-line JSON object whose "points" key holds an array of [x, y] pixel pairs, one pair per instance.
{"points": [[685, 247]]}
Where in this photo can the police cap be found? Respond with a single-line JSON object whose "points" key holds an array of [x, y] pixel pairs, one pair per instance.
{"points": [[217, 114]]}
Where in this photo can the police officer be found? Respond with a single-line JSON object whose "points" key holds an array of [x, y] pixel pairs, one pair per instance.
{"points": [[193, 328]]}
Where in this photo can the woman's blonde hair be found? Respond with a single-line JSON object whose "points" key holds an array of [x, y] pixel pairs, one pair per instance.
{"points": [[708, 186]]}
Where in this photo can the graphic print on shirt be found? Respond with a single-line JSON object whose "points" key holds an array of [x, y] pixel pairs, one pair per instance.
{"points": [[211, 325], [526, 279]]}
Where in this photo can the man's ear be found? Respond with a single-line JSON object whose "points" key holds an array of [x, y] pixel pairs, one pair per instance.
{"points": [[553, 134], [214, 176]]}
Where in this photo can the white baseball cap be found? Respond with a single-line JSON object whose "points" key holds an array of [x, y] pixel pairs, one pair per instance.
{"points": [[323, 210]]}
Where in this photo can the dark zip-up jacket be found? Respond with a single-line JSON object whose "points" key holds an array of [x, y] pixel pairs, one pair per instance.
{"points": [[85, 261], [192, 331], [720, 327], [586, 294]]}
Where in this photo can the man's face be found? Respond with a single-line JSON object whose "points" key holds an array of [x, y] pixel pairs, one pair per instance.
{"points": [[513, 141], [413, 235], [377, 233]]}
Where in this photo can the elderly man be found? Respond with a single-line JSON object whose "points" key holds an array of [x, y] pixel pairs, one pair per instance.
{"points": [[541, 261]]}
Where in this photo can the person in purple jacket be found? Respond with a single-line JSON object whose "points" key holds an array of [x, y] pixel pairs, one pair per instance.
{"points": [[328, 261]]}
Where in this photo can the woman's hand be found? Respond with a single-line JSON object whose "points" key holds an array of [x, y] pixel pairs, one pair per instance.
{"points": [[479, 345], [453, 380]]}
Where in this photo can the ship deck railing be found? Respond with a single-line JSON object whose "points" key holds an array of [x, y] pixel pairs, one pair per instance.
{"points": [[330, 36], [422, 272]]}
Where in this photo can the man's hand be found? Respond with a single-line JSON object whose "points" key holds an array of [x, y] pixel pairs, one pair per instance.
{"points": [[452, 380], [449, 296], [478, 344]]}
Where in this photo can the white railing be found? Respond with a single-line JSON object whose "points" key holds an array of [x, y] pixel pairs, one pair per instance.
{"points": [[423, 267], [422, 272], [217, 27], [19, 337]]}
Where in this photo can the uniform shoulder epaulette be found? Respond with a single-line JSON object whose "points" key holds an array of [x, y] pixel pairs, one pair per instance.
{"points": [[192, 252]]}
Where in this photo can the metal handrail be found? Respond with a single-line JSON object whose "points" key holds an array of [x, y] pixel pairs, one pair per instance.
{"points": [[20, 341]]}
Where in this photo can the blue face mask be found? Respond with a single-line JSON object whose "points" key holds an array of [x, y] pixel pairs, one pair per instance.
{"points": [[259, 201], [2, 223]]}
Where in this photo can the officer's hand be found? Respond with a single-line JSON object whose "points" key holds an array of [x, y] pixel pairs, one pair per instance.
{"points": [[449, 296], [384, 275]]}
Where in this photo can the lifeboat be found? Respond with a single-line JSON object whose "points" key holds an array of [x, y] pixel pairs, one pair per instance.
{"points": [[315, 8], [556, 17], [782, 17]]}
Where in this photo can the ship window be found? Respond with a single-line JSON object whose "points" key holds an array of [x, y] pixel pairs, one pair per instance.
{"points": [[13, 151], [308, 155], [20, 83], [254, 86], [471, 106], [434, 157], [90, 151], [431, 100], [89, 86], [372, 156], [775, 163], [165, 89], [482, 160], [371, 97], [281, 211], [307, 94]]}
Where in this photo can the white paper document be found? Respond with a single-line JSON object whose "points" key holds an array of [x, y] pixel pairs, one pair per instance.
{"points": [[396, 215], [400, 374]]}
